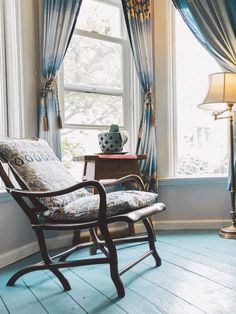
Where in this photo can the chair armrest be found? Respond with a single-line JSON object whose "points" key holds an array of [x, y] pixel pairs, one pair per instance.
{"points": [[77, 186], [128, 178], [16, 193]]}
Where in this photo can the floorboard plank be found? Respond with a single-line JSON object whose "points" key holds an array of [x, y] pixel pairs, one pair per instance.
{"points": [[20, 300], [217, 265], [215, 275], [51, 294], [212, 252], [162, 299], [210, 302], [91, 299], [198, 291], [132, 303], [198, 275], [188, 269], [3, 309], [195, 239]]}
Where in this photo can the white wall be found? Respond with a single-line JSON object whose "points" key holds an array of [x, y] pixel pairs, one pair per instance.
{"points": [[17, 237], [14, 227], [195, 205]]}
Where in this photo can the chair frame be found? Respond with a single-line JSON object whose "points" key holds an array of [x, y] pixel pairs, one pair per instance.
{"points": [[107, 245]]}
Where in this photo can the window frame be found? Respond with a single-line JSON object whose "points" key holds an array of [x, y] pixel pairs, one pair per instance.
{"points": [[175, 107], [164, 68], [128, 75]]}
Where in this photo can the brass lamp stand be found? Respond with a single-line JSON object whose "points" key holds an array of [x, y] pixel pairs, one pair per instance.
{"points": [[229, 232], [222, 91]]}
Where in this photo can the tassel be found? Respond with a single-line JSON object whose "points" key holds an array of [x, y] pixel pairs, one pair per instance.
{"points": [[59, 121], [45, 123], [153, 118]]}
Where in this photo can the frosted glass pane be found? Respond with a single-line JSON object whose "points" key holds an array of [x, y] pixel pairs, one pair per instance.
{"points": [[92, 109], [77, 143], [97, 16], [92, 61], [201, 141]]}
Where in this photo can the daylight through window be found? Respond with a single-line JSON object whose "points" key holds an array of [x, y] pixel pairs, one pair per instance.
{"points": [[201, 142], [96, 86]]}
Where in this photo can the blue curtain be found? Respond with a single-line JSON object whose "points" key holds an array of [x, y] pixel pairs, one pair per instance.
{"points": [[139, 24], [59, 19], [213, 22]]}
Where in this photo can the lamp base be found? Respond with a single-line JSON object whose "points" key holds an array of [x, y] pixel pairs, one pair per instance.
{"points": [[228, 232]]}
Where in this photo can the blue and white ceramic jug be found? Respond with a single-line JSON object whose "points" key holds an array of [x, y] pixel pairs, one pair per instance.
{"points": [[112, 141]]}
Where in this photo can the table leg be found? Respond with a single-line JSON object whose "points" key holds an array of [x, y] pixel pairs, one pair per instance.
{"points": [[76, 237]]}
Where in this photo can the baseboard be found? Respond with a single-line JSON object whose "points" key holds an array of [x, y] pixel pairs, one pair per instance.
{"points": [[199, 224], [66, 240], [32, 248]]}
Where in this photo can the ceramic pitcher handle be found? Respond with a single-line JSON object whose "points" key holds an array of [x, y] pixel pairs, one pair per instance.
{"points": [[124, 138]]}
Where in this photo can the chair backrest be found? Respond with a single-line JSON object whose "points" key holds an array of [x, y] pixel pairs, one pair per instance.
{"points": [[36, 167]]}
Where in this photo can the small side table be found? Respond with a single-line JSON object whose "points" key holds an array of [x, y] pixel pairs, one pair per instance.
{"points": [[112, 167], [109, 167]]}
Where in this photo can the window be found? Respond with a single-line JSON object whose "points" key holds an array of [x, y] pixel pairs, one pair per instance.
{"points": [[97, 78], [200, 142]]}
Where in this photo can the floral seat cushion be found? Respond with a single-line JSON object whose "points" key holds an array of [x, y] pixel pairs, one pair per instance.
{"points": [[86, 208], [40, 170]]}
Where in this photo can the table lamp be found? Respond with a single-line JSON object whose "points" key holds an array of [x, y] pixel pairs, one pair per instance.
{"points": [[220, 99]]}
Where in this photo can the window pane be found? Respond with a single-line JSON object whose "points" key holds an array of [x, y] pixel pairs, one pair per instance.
{"points": [[92, 61], [92, 109], [99, 17], [201, 141], [77, 143]]}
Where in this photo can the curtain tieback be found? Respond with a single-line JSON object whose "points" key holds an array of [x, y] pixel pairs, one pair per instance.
{"points": [[148, 102], [48, 86]]}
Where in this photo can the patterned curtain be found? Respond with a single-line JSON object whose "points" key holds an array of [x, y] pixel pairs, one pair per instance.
{"points": [[139, 24], [213, 22], [59, 19]]}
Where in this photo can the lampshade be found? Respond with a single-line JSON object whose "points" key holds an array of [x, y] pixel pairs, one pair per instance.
{"points": [[221, 91]]}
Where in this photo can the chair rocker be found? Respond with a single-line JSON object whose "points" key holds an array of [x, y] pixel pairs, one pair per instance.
{"points": [[53, 200]]}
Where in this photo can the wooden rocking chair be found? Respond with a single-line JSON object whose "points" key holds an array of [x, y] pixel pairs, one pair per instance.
{"points": [[53, 200]]}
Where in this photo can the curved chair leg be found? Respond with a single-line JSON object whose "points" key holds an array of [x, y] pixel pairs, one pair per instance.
{"points": [[151, 239], [40, 266], [62, 279], [31, 268], [22, 272], [113, 261]]}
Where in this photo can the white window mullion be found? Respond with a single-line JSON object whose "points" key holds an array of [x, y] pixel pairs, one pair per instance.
{"points": [[111, 2], [14, 70], [98, 36], [3, 99], [89, 126], [94, 89]]}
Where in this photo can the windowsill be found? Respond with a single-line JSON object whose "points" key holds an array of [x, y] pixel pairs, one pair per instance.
{"points": [[192, 181], [6, 197]]}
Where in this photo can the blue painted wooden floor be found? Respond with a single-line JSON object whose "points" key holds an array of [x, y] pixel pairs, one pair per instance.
{"points": [[198, 275]]}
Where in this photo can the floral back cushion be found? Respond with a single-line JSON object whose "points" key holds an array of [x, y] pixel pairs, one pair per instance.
{"points": [[39, 168]]}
